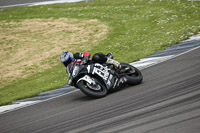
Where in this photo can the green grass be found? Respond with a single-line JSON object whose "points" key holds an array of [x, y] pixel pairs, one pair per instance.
{"points": [[136, 29]]}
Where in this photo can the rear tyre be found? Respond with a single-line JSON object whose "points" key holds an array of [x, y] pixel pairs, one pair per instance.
{"points": [[134, 77], [96, 91]]}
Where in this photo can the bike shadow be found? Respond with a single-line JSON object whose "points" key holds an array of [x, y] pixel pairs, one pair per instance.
{"points": [[83, 97]]}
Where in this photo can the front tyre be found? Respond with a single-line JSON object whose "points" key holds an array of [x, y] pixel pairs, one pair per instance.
{"points": [[98, 90]]}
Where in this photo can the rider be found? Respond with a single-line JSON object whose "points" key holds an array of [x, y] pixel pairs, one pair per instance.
{"points": [[67, 59]]}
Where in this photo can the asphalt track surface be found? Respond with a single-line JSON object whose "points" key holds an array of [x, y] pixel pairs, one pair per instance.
{"points": [[168, 101], [15, 2], [20, 3]]}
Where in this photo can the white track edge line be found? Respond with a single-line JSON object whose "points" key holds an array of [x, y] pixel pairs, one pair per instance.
{"points": [[173, 57], [37, 102]]}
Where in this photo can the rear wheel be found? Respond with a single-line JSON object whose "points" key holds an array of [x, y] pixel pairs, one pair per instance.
{"points": [[134, 76], [97, 90]]}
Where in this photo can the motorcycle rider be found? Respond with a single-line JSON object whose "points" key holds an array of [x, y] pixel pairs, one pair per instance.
{"points": [[67, 58]]}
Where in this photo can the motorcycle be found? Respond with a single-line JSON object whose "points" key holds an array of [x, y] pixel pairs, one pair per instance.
{"points": [[97, 80]]}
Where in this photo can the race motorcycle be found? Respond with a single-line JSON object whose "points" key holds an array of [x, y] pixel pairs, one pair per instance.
{"points": [[97, 80]]}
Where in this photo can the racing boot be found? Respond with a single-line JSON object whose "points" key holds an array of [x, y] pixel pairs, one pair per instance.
{"points": [[113, 62]]}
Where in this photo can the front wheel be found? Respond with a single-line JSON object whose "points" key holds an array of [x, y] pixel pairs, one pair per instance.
{"points": [[98, 90], [134, 76]]}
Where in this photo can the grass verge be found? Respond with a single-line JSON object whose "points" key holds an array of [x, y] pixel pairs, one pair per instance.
{"points": [[133, 30]]}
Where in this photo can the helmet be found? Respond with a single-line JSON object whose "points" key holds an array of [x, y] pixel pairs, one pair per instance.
{"points": [[66, 58]]}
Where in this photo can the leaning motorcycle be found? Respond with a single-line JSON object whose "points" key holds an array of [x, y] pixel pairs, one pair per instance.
{"points": [[97, 80]]}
